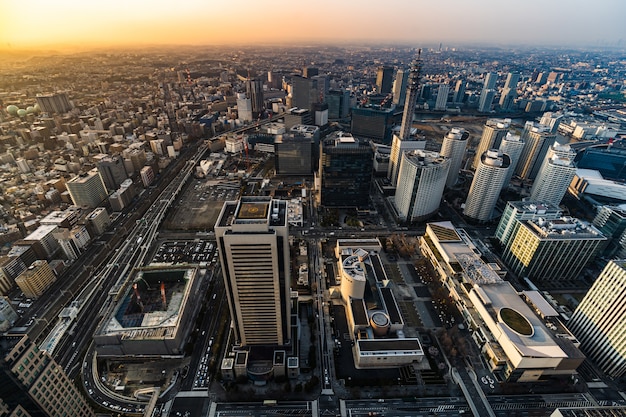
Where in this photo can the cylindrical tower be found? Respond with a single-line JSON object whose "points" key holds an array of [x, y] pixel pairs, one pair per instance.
{"points": [[485, 189], [513, 146], [453, 147], [553, 179]]}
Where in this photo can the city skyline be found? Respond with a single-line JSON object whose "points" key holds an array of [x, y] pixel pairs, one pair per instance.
{"points": [[85, 25]]}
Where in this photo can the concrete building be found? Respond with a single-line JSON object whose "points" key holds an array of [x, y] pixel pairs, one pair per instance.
{"points": [[517, 211], [54, 103], [488, 92], [374, 318], [509, 92], [486, 185], [253, 243], [421, 181], [36, 279], [294, 154], [520, 335], [244, 108], [87, 189], [552, 250], [147, 176], [553, 180], [73, 241], [112, 171], [372, 122], [453, 147], [589, 183], [398, 148], [611, 222], [384, 79], [34, 384], [43, 241], [513, 146], [254, 91], [494, 131], [97, 221], [442, 97], [153, 316], [598, 321], [8, 316], [537, 140], [400, 87]]}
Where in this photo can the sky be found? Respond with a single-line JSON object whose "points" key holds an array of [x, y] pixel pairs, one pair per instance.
{"points": [[57, 24]]}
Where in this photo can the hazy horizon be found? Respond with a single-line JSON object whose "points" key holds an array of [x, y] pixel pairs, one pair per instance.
{"points": [[79, 25]]}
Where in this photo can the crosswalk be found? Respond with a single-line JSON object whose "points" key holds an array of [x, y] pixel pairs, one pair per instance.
{"points": [[541, 405]]}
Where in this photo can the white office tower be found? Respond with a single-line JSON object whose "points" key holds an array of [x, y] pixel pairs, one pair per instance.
{"points": [[488, 92], [493, 132], [421, 182], [537, 140], [244, 108], [513, 146], [599, 321], [453, 147], [553, 179], [253, 242], [485, 189], [403, 141], [442, 97]]}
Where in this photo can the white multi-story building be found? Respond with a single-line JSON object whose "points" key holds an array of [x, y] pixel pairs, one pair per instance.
{"points": [[442, 97], [553, 179], [453, 147], [87, 189], [483, 194], [537, 140], [512, 145], [599, 321], [493, 132], [421, 181], [398, 147]]}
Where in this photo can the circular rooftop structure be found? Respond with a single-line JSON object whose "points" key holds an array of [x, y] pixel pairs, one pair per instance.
{"points": [[515, 321], [380, 323]]}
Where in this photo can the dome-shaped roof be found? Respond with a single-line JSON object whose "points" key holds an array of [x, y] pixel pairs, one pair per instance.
{"points": [[30, 109], [12, 109], [21, 112]]}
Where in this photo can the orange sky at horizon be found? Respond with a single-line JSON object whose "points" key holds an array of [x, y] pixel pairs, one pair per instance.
{"points": [[60, 23]]}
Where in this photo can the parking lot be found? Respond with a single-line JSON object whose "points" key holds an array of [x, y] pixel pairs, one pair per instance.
{"points": [[190, 252]]}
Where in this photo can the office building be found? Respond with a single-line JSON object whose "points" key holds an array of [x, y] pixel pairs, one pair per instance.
{"points": [[488, 93], [494, 131], [36, 279], [304, 92], [486, 185], [98, 221], [254, 91], [253, 243], [8, 315], [459, 92], [453, 147], [399, 87], [345, 172], [43, 241], [513, 146], [609, 159], [398, 148], [611, 222], [598, 321], [34, 384], [338, 104], [516, 211], [244, 108], [552, 250], [308, 72], [73, 241], [509, 92], [54, 103], [519, 334], [384, 80], [294, 154], [421, 181], [372, 122], [537, 140], [112, 171], [553, 179], [297, 117], [87, 189], [442, 97], [147, 176], [320, 114]]}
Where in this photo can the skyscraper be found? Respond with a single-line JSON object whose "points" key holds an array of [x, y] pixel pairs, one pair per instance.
{"points": [[384, 79], [485, 189], [598, 321], [493, 132], [537, 140], [402, 142], [87, 189], [453, 147], [421, 182], [459, 91], [304, 92], [442, 96], [513, 146], [399, 87], [611, 221], [112, 171], [253, 244], [254, 91], [54, 103], [346, 168], [488, 92], [553, 179], [509, 92]]}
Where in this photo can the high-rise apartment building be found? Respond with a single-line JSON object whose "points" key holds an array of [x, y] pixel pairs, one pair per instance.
{"points": [[87, 189], [253, 243], [453, 147], [398, 148], [399, 87], [442, 97], [36, 279], [34, 384], [493, 132], [112, 171], [346, 168], [513, 146], [537, 140], [384, 79], [599, 321], [488, 92], [486, 185], [509, 92], [553, 178], [552, 120], [552, 250], [459, 91], [421, 181]]}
